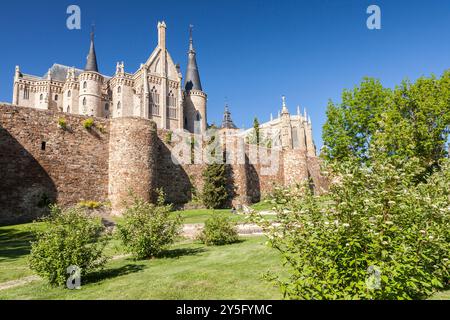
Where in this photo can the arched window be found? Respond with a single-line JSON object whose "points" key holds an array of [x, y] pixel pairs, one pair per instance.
{"points": [[198, 116], [56, 97], [69, 94], [85, 85], [41, 97], [119, 89], [84, 101], [119, 105]]}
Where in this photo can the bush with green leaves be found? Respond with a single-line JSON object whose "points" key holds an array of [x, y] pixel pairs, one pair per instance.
{"points": [[67, 238], [147, 229], [377, 234], [88, 123], [62, 123], [219, 230]]}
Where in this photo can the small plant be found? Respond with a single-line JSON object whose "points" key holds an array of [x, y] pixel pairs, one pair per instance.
{"points": [[219, 230], [88, 123], [62, 123], [147, 229], [168, 137], [69, 238], [92, 205]]}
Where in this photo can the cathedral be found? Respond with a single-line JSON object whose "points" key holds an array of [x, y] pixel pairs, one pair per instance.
{"points": [[156, 91]]}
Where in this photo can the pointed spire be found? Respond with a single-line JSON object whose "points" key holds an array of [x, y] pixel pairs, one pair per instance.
{"points": [[284, 109], [298, 110], [192, 81], [271, 116], [227, 122], [91, 64]]}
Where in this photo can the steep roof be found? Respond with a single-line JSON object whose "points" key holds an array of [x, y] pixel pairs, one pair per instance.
{"points": [[59, 72], [227, 122], [91, 64], [192, 80]]}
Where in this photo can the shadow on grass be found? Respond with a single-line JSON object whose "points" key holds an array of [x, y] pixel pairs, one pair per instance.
{"points": [[14, 244], [106, 274], [177, 253]]}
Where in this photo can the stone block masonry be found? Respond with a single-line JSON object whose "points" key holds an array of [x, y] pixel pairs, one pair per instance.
{"points": [[41, 163]]}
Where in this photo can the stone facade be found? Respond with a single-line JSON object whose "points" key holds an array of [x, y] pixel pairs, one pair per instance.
{"points": [[129, 149], [155, 91], [42, 163]]}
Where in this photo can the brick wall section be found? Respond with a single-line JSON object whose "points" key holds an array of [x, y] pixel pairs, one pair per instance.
{"points": [[130, 154], [73, 166], [132, 161]]}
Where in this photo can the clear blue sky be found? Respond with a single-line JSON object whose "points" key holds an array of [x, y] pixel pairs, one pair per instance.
{"points": [[251, 52]]}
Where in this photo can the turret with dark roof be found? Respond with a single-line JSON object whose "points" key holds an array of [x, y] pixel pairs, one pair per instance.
{"points": [[91, 64], [192, 81]]}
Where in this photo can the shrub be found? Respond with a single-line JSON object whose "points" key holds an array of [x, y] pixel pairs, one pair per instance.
{"points": [[147, 229], [168, 137], [92, 205], [68, 238], [219, 230], [88, 123], [62, 123], [215, 194], [378, 234]]}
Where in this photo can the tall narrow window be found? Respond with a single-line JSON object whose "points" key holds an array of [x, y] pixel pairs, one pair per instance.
{"points": [[119, 105], [154, 102], [84, 101], [85, 85], [171, 105], [69, 94], [107, 107], [119, 89], [68, 109], [41, 97], [56, 97], [26, 93]]}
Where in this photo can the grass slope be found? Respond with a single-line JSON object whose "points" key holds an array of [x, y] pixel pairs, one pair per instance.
{"points": [[189, 270]]}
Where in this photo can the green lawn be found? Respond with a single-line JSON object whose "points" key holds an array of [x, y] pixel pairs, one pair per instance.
{"points": [[201, 215], [189, 270]]}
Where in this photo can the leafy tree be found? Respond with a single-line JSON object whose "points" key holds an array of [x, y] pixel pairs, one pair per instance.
{"points": [[377, 234], [411, 120], [215, 193], [255, 135]]}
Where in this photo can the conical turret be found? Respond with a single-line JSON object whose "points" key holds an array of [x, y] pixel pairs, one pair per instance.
{"points": [[91, 64], [192, 81]]}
